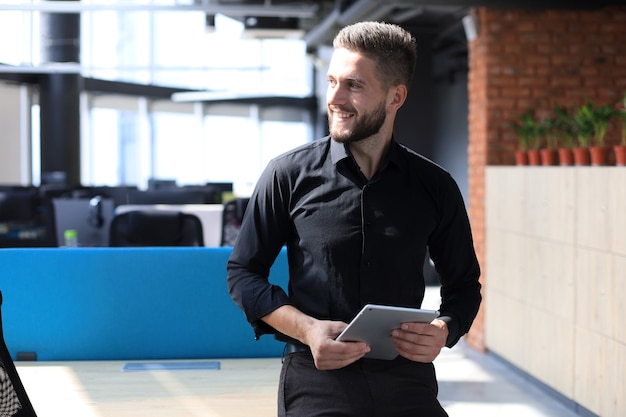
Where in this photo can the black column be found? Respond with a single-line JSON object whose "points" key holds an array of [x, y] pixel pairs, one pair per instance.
{"points": [[59, 99]]}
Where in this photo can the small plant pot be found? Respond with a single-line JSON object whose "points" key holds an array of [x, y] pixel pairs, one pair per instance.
{"points": [[566, 157], [534, 157], [599, 155], [581, 156], [549, 157], [620, 155], [521, 158]]}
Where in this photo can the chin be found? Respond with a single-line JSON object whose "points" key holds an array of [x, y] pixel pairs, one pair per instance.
{"points": [[340, 135]]}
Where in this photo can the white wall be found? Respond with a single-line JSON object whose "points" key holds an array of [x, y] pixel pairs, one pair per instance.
{"points": [[14, 135], [556, 279]]}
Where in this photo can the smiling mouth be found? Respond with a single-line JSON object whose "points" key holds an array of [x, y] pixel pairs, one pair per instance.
{"points": [[342, 115]]}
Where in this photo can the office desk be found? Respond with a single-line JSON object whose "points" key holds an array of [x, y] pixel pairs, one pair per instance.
{"points": [[126, 303]]}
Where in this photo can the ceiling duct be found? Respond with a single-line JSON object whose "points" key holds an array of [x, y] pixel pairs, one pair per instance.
{"points": [[272, 27]]}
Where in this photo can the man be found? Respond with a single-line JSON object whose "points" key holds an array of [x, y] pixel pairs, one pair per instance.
{"points": [[357, 212]]}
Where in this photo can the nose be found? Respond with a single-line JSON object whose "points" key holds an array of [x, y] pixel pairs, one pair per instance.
{"points": [[335, 95]]}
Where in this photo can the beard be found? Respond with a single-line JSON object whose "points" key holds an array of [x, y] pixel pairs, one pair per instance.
{"points": [[366, 125]]}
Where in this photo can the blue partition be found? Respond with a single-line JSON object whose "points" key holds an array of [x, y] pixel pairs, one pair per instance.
{"points": [[126, 303]]}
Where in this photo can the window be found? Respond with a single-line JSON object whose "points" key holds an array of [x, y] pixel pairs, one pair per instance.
{"points": [[126, 140]]}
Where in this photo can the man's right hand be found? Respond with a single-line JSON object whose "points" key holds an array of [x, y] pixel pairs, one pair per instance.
{"points": [[327, 352], [319, 335]]}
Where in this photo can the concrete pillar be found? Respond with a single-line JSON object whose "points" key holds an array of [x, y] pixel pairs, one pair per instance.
{"points": [[59, 95]]}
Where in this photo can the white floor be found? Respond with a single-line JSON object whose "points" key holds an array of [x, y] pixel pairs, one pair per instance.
{"points": [[471, 384]]}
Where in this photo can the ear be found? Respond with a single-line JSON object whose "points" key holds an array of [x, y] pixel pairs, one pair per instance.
{"points": [[396, 96]]}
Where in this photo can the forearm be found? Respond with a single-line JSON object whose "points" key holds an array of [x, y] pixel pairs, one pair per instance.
{"points": [[291, 322], [459, 308]]}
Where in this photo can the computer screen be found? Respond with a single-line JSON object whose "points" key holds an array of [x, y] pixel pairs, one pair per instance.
{"points": [[119, 194], [25, 219], [90, 217], [177, 196]]}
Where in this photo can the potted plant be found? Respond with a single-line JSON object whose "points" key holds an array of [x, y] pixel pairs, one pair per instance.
{"points": [[583, 130], [523, 131], [521, 153], [565, 131], [620, 149], [550, 130], [601, 117], [529, 133]]}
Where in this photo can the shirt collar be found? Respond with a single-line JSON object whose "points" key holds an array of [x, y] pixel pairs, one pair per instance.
{"points": [[339, 151]]}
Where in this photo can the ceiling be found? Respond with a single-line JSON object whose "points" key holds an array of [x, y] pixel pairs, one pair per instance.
{"points": [[326, 17], [318, 21]]}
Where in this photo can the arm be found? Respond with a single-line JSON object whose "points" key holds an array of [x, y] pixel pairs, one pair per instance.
{"points": [[268, 308], [263, 233], [319, 335], [452, 250]]}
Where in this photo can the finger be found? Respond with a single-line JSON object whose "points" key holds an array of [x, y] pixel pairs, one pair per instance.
{"points": [[337, 361], [420, 328]]}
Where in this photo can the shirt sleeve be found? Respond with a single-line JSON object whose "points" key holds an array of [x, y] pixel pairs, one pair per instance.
{"points": [[263, 233], [452, 250]]}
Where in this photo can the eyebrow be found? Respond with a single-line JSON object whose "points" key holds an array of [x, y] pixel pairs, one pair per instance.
{"points": [[350, 78]]}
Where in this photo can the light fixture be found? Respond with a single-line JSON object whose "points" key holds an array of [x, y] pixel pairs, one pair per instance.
{"points": [[470, 25]]}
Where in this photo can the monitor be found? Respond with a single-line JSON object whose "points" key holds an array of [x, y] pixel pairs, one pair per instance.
{"points": [[176, 196], [161, 184], [90, 217], [25, 219]]}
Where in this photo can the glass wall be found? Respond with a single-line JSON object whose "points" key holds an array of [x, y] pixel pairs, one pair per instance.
{"points": [[127, 139]]}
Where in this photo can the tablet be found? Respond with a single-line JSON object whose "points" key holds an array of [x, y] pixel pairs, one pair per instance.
{"points": [[374, 323]]}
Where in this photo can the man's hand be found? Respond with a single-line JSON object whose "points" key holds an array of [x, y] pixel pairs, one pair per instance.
{"points": [[319, 335], [327, 352], [421, 342]]}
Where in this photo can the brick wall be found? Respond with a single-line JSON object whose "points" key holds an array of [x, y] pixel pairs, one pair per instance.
{"points": [[525, 59]]}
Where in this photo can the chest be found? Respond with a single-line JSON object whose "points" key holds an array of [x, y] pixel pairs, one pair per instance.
{"points": [[391, 209]]}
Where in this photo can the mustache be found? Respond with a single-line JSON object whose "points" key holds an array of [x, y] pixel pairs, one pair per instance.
{"points": [[345, 109]]}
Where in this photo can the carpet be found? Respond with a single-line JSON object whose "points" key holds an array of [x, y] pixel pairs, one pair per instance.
{"points": [[169, 366]]}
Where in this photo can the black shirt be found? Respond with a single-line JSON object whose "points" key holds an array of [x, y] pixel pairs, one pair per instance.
{"points": [[351, 241]]}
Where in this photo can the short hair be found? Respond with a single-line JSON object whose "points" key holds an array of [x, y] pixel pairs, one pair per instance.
{"points": [[391, 47]]}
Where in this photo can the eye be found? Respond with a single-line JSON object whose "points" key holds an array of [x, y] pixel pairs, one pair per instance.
{"points": [[332, 82]]}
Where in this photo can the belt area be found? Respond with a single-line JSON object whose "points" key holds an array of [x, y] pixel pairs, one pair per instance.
{"points": [[291, 348]]}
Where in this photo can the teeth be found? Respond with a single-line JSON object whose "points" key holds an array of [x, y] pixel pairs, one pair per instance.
{"points": [[343, 115]]}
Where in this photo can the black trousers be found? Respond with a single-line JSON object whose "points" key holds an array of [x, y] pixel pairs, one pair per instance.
{"points": [[367, 388]]}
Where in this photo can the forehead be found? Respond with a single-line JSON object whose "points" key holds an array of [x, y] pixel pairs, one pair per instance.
{"points": [[353, 65]]}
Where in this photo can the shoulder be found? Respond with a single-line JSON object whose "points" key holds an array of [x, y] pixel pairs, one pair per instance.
{"points": [[307, 155], [418, 165]]}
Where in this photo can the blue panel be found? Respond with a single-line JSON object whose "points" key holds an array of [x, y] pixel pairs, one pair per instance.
{"points": [[126, 303]]}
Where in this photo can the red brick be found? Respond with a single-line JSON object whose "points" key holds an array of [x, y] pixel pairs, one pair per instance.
{"points": [[532, 59]]}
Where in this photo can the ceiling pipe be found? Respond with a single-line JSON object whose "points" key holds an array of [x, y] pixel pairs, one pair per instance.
{"points": [[357, 11], [362, 10], [322, 32], [404, 15]]}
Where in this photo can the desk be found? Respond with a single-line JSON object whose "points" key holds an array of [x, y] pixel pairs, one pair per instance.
{"points": [[68, 304]]}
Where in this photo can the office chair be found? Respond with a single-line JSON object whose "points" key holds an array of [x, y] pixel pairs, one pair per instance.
{"points": [[155, 228], [14, 401]]}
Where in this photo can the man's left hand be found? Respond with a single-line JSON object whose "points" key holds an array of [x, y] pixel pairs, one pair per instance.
{"points": [[421, 342]]}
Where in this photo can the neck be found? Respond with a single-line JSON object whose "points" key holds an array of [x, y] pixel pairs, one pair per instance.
{"points": [[369, 154]]}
